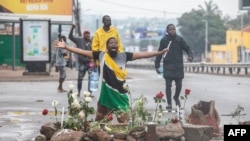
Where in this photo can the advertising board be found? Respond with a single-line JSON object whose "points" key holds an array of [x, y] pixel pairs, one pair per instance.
{"points": [[55, 10], [35, 41]]}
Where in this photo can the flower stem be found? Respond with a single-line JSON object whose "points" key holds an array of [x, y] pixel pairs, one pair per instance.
{"points": [[86, 118], [131, 109], [184, 103], [156, 111]]}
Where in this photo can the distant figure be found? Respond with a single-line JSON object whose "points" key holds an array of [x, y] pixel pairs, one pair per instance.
{"points": [[60, 64], [83, 61], [113, 94], [173, 69]]}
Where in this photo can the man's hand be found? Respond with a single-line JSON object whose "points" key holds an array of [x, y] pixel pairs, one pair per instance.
{"points": [[190, 59], [59, 44], [164, 51], [158, 70]]}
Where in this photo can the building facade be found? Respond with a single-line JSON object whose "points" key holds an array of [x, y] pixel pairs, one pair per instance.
{"points": [[235, 50]]}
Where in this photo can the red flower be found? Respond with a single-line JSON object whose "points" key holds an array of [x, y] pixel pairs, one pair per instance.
{"points": [[187, 91], [174, 120], [45, 111], [160, 95], [109, 117]]}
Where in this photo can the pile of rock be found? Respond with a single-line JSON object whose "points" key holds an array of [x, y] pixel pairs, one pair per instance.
{"points": [[149, 132]]}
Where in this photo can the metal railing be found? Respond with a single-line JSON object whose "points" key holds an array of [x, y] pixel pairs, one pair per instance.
{"points": [[224, 69], [239, 69]]}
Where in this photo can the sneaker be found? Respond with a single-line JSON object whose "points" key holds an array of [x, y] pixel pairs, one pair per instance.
{"points": [[61, 90], [169, 107]]}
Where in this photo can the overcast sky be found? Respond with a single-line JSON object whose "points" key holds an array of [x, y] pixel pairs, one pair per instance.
{"points": [[153, 8]]}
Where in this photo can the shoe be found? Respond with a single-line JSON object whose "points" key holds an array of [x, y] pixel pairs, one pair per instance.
{"points": [[177, 102], [78, 95], [169, 107], [61, 90]]}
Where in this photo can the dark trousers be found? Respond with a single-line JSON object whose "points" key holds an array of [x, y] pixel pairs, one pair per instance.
{"points": [[178, 86], [82, 69]]}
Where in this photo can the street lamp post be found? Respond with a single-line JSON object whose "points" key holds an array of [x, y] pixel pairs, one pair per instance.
{"points": [[241, 14], [206, 31], [241, 44]]}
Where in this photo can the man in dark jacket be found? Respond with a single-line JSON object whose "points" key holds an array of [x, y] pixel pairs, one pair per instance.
{"points": [[83, 61], [173, 69]]}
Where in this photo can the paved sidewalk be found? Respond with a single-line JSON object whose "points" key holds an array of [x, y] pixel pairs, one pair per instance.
{"points": [[8, 75]]}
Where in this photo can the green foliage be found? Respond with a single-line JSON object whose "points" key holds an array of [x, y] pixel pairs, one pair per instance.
{"points": [[236, 114], [139, 110], [192, 28], [75, 108]]}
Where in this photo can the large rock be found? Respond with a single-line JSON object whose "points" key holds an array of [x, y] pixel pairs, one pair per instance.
{"points": [[205, 113], [68, 135], [198, 132], [97, 134], [170, 131], [40, 137], [48, 130]]}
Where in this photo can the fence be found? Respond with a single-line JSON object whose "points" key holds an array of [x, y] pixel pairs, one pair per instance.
{"points": [[239, 69]]}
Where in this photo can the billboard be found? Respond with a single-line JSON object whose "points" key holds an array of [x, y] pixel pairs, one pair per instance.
{"points": [[35, 40], [244, 4], [55, 10]]}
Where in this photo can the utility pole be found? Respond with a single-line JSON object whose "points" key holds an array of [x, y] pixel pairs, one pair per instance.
{"points": [[76, 11], [206, 32], [241, 44]]}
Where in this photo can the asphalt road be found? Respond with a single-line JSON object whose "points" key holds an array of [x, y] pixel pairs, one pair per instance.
{"points": [[22, 102]]}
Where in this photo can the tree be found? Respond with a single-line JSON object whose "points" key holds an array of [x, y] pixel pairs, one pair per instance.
{"points": [[192, 27], [235, 24]]}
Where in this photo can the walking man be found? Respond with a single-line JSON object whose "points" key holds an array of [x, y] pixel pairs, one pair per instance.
{"points": [[173, 69]]}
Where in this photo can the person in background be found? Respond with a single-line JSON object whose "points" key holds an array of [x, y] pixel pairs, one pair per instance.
{"points": [[113, 94], [83, 61], [102, 34], [60, 64], [173, 69]]}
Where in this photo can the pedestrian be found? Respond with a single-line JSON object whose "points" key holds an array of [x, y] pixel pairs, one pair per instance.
{"points": [[113, 96], [102, 34], [173, 69], [83, 61], [60, 64]]}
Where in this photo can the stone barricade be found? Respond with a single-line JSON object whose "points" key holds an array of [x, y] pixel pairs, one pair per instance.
{"points": [[149, 132]]}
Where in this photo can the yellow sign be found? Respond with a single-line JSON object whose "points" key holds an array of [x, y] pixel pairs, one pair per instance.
{"points": [[56, 10]]}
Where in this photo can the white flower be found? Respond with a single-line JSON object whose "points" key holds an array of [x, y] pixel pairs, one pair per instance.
{"points": [[88, 99], [160, 115], [54, 103], [75, 105], [81, 115], [71, 86], [74, 95], [125, 86], [86, 93]]}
